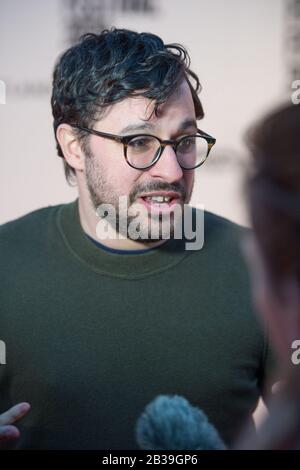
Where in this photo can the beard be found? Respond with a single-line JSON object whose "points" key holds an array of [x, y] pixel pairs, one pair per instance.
{"points": [[101, 192]]}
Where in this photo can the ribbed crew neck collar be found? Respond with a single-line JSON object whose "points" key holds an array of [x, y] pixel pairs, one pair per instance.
{"points": [[130, 266]]}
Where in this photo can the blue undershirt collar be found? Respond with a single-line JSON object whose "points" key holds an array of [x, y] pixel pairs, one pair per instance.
{"points": [[116, 251]]}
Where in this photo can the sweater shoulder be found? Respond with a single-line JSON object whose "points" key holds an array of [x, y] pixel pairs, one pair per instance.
{"points": [[31, 224], [215, 221], [222, 239], [218, 228], [28, 236], [222, 231]]}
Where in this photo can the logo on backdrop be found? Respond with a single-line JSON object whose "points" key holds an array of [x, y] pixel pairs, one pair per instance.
{"points": [[292, 45], [78, 17], [82, 16]]}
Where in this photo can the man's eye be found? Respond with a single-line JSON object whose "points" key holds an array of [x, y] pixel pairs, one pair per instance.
{"points": [[187, 144], [141, 143]]}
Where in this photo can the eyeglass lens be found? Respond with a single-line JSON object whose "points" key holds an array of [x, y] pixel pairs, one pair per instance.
{"points": [[142, 151]]}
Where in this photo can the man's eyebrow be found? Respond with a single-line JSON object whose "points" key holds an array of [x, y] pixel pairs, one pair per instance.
{"points": [[187, 123], [146, 126], [137, 127]]}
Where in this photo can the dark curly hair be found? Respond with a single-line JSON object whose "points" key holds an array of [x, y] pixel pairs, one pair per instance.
{"points": [[103, 69]]}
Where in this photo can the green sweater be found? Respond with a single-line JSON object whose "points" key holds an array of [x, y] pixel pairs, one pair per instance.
{"points": [[93, 336]]}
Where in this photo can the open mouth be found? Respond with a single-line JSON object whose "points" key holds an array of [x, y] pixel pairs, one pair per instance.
{"points": [[160, 202]]}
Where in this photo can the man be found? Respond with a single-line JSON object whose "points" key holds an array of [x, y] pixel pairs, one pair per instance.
{"points": [[96, 328]]}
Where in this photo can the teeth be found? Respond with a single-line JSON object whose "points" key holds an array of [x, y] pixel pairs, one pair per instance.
{"points": [[159, 199]]}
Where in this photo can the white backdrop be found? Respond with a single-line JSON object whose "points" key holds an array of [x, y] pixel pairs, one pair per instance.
{"points": [[236, 47]]}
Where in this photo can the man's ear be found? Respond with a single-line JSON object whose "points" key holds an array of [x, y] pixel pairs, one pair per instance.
{"points": [[70, 146]]}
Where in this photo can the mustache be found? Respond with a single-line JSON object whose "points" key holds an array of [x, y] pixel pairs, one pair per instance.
{"points": [[157, 186]]}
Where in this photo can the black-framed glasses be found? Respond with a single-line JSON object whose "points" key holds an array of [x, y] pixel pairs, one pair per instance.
{"points": [[141, 151]]}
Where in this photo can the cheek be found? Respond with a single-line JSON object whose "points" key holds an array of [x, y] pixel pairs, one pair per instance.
{"points": [[111, 162], [123, 178], [188, 177]]}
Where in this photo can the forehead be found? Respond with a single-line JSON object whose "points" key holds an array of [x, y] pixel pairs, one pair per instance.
{"points": [[178, 107]]}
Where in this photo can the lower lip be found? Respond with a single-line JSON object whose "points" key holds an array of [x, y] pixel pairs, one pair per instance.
{"points": [[155, 208]]}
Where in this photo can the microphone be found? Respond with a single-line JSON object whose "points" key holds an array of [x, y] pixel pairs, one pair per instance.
{"points": [[172, 423]]}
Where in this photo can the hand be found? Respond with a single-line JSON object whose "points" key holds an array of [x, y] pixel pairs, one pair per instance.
{"points": [[7, 431]]}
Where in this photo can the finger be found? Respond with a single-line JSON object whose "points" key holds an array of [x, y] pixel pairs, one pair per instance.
{"points": [[14, 414], [8, 433]]}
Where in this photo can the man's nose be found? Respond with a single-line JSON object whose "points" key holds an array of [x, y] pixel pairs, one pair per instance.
{"points": [[167, 166]]}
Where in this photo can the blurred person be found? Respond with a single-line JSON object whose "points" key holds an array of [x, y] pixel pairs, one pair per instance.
{"points": [[96, 327], [274, 257]]}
